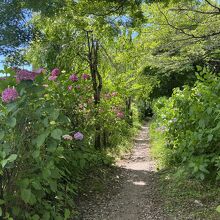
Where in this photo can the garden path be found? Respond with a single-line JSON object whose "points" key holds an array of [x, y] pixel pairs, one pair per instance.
{"points": [[137, 195]]}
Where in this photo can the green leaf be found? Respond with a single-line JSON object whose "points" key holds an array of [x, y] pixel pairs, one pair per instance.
{"points": [[218, 209], [11, 122], [26, 195], [56, 134], [36, 185], [35, 217], [0, 211], [2, 202], [36, 154], [10, 159], [2, 134], [210, 137], [66, 214], [40, 139]]}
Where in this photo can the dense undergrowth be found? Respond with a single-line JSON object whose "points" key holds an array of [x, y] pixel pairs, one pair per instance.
{"points": [[185, 140]]}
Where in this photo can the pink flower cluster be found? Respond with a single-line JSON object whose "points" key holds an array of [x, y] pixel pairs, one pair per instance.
{"points": [[27, 75], [9, 95], [54, 74], [74, 78], [120, 114], [85, 76]]}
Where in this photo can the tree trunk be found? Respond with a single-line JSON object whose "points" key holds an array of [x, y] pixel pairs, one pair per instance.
{"points": [[93, 48]]}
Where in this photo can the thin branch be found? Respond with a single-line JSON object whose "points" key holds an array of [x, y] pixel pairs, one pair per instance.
{"points": [[196, 11], [214, 6], [183, 31]]}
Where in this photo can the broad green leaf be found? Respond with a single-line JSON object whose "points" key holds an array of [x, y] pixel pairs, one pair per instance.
{"points": [[40, 139], [0, 211], [26, 195], [12, 157], [11, 122], [218, 209], [56, 134]]}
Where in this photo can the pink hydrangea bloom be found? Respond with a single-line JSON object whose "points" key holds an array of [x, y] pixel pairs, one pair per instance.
{"points": [[85, 76], [9, 95], [70, 88], [74, 78], [55, 72], [26, 74], [52, 78], [78, 136], [120, 115]]}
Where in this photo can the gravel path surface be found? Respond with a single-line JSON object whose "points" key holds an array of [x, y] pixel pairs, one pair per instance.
{"points": [[136, 196]]}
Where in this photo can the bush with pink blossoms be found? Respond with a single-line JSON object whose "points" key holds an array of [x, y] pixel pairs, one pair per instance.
{"points": [[22, 74], [9, 95]]}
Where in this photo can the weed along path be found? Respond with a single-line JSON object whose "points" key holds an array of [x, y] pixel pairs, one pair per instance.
{"points": [[136, 194]]}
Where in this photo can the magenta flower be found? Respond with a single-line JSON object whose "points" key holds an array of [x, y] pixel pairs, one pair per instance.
{"points": [[9, 95], [55, 72], [73, 78], [70, 88], [78, 136], [85, 76], [52, 78], [3, 78], [22, 75]]}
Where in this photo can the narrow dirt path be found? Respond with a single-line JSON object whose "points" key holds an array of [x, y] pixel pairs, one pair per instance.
{"points": [[137, 195]]}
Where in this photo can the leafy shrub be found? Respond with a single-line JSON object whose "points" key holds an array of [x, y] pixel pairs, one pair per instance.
{"points": [[190, 120]]}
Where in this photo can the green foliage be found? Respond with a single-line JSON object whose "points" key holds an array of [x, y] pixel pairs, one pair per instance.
{"points": [[190, 122]]}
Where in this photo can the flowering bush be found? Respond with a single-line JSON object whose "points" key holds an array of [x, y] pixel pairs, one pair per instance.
{"points": [[47, 125]]}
